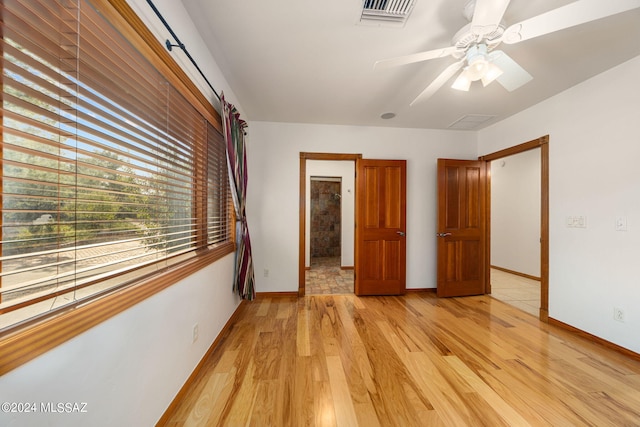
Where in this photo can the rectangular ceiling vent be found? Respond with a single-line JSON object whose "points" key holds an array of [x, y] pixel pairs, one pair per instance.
{"points": [[470, 121], [386, 11]]}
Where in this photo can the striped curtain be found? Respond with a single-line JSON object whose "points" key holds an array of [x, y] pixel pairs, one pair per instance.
{"points": [[233, 128]]}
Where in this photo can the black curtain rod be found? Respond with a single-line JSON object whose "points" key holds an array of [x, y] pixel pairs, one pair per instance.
{"points": [[181, 45]]}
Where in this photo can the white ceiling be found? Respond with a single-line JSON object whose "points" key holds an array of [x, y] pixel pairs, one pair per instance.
{"points": [[303, 61]]}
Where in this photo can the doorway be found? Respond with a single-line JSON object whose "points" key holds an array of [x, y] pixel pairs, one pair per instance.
{"points": [[515, 230], [335, 274], [325, 273], [542, 145]]}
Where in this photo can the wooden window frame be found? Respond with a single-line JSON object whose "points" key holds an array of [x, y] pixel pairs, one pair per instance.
{"points": [[21, 344]]}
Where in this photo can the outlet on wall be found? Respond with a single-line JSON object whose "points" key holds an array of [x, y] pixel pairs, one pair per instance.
{"points": [[618, 314], [194, 336]]}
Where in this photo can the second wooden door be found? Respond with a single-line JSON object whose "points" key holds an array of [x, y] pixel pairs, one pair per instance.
{"points": [[380, 227], [461, 227]]}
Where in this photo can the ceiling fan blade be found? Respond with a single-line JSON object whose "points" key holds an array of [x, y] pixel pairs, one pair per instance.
{"points": [[439, 81], [416, 57], [575, 13], [513, 75], [487, 15]]}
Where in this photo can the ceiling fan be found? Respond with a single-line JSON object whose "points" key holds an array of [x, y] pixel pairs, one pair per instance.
{"points": [[474, 46]]}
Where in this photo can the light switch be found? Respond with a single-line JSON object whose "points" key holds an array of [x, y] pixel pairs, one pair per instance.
{"points": [[569, 221], [621, 223], [578, 221]]}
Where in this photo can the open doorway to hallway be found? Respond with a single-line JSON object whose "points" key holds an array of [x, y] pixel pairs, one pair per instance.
{"points": [[326, 274], [326, 266], [516, 230]]}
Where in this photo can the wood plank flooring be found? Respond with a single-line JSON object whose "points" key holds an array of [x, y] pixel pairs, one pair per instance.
{"points": [[415, 360]]}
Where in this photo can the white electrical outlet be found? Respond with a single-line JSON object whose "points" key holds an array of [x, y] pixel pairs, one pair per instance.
{"points": [[195, 333], [266, 272], [618, 314], [621, 223]]}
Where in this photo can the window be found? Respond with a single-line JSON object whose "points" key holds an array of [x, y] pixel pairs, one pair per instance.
{"points": [[110, 173], [220, 207]]}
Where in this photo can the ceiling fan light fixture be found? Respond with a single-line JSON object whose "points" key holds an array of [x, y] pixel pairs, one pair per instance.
{"points": [[492, 73], [477, 62], [463, 82], [477, 68]]}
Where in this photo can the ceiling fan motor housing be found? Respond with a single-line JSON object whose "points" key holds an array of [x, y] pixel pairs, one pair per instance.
{"points": [[465, 38]]}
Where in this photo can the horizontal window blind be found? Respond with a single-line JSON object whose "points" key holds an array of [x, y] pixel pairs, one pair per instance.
{"points": [[98, 162], [219, 203]]}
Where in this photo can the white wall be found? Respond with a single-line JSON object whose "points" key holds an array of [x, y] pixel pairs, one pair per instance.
{"points": [[273, 162], [515, 213], [346, 171], [129, 368], [594, 152]]}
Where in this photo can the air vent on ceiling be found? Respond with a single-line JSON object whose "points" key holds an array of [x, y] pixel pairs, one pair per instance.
{"points": [[386, 11], [470, 121]]}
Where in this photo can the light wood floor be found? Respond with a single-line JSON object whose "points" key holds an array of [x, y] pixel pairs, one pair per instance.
{"points": [[407, 361]]}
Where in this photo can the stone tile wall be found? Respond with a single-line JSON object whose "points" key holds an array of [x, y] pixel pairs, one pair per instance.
{"points": [[325, 219]]}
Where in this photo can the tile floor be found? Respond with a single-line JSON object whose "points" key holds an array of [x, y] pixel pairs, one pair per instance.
{"points": [[515, 290], [326, 277]]}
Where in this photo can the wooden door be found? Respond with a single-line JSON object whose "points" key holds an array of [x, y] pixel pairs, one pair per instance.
{"points": [[380, 251], [461, 229]]}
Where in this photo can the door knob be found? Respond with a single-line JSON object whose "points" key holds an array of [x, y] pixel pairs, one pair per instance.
{"points": [[400, 233], [443, 234]]}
